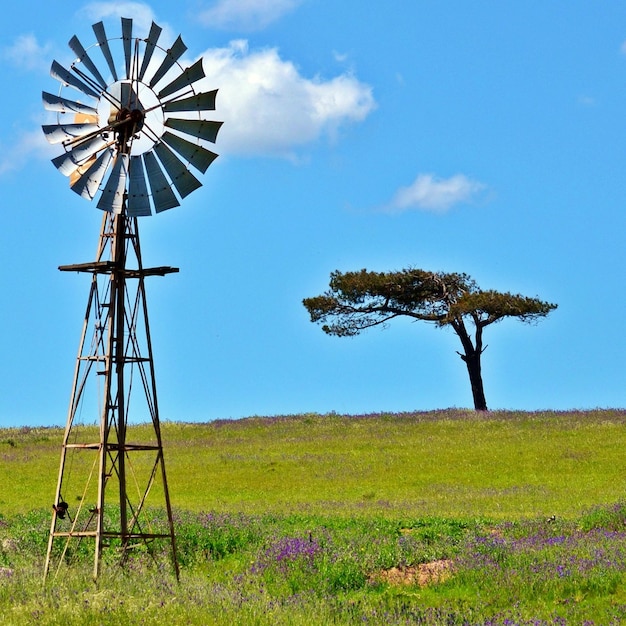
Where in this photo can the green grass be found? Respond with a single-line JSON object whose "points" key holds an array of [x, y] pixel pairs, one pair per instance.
{"points": [[452, 463], [293, 520], [310, 570]]}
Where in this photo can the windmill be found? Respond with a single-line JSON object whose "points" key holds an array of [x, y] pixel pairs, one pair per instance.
{"points": [[132, 125]]}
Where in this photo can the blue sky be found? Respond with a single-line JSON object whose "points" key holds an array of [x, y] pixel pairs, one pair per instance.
{"points": [[485, 137]]}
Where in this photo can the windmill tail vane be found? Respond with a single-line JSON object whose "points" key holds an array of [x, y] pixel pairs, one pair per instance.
{"points": [[132, 124]]}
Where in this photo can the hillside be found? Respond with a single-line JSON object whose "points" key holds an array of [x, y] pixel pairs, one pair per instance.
{"points": [[448, 463]]}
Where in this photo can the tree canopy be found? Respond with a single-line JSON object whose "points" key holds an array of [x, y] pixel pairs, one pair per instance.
{"points": [[359, 300]]}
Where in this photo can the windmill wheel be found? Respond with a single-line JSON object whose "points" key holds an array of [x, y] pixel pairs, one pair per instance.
{"points": [[132, 137]]}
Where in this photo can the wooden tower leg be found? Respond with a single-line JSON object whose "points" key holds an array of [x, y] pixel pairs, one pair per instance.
{"points": [[107, 471]]}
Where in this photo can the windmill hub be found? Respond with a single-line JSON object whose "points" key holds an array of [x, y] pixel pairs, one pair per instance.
{"points": [[129, 123], [130, 117], [136, 124]]}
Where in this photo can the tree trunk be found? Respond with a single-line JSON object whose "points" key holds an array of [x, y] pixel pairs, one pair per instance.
{"points": [[476, 380], [471, 357]]}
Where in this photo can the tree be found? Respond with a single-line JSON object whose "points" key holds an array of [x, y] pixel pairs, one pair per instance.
{"points": [[359, 300]]}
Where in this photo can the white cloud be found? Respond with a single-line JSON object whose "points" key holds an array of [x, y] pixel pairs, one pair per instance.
{"points": [[268, 108], [24, 148], [246, 14], [27, 53], [429, 193]]}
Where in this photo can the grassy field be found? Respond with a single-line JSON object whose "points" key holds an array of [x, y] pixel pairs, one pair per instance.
{"points": [[448, 517]]}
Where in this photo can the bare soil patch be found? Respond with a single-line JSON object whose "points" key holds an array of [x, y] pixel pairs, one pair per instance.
{"points": [[423, 574]]}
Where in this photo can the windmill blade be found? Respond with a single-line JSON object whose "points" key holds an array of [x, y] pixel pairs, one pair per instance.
{"points": [[151, 42], [199, 102], [76, 175], [61, 74], [138, 199], [127, 37], [86, 118], [204, 129], [187, 78], [122, 95], [70, 161], [85, 59], [57, 133], [197, 155], [112, 198], [171, 56], [184, 181], [103, 42], [162, 194], [88, 182], [63, 105], [128, 96]]}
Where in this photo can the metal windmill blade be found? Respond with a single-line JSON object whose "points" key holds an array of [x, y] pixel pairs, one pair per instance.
{"points": [[79, 50], [131, 140], [59, 133], [103, 43], [63, 105], [151, 42]]}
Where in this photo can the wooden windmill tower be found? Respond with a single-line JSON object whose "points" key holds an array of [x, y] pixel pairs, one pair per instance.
{"points": [[130, 133]]}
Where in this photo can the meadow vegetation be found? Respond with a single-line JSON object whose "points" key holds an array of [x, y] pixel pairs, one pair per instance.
{"points": [[450, 517]]}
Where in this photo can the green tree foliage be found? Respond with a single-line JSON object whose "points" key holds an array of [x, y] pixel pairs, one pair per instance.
{"points": [[359, 300]]}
